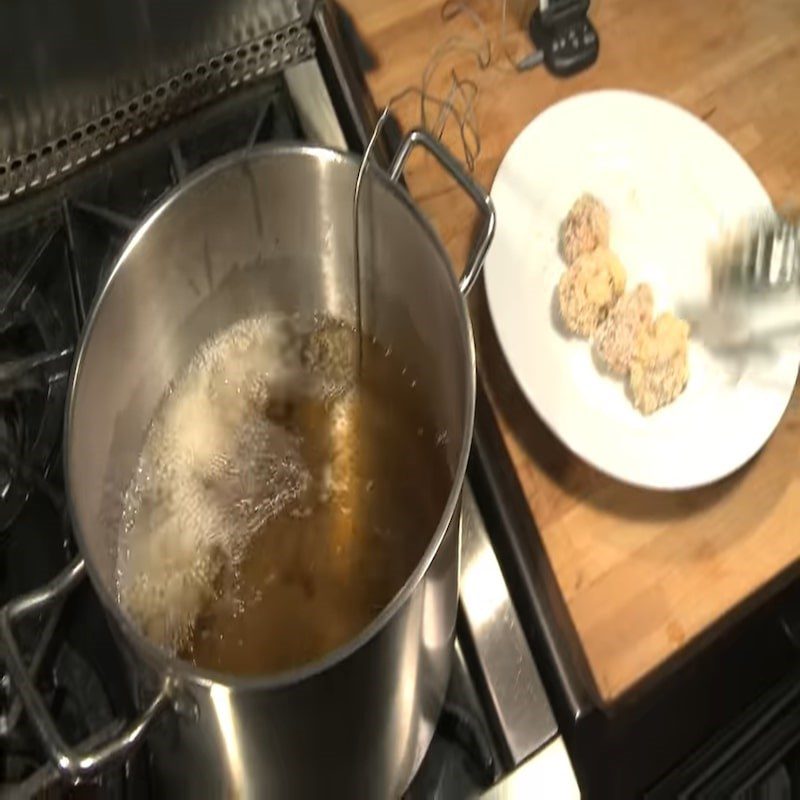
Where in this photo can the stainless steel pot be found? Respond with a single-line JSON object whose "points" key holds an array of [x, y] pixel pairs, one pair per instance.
{"points": [[269, 229]]}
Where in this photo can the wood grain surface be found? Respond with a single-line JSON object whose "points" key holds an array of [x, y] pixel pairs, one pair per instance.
{"points": [[642, 573]]}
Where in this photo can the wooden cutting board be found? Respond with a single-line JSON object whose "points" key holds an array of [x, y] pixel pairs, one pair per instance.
{"points": [[642, 573]]}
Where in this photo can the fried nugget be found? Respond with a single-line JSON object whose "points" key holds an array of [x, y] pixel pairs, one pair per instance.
{"points": [[584, 228], [616, 337], [660, 367], [589, 288]]}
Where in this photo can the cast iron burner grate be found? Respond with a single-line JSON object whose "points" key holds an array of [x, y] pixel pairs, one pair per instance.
{"points": [[35, 353], [64, 665]]}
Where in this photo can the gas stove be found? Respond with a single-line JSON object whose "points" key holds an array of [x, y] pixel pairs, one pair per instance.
{"points": [[497, 732]]}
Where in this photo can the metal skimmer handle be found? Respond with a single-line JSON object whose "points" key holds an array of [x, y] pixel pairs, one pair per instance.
{"points": [[72, 763], [482, 200]]}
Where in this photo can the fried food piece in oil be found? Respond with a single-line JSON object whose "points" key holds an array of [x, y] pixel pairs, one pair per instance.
{"points": [[588, 290], [616, 338], [660, 366], [584, 228]]}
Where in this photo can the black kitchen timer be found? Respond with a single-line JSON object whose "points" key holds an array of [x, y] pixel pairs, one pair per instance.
{"points": [[562, 32]]}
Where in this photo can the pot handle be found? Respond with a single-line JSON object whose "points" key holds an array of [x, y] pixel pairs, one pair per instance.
{"points": [[482, 200], [72, 763]]}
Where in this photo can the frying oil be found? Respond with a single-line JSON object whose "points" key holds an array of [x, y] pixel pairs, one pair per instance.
{"points": [[282, 496]]}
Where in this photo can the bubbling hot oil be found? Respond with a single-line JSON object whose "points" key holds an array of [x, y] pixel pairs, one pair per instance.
{"points": [[281, 500]]}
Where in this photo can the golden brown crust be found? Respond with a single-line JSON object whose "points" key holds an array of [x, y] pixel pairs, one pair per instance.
{"points": [[584, 228], [660, 367], [588, 290], [616, 337]]}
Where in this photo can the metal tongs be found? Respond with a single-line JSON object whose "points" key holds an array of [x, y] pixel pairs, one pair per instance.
{"points": [[755, 285], [761, 260]]}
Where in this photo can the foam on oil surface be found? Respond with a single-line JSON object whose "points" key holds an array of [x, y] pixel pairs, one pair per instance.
{"points": [[282, 497], [212, 471]]}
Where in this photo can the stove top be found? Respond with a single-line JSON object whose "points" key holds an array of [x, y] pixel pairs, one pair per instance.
{"points": [[55, 252], [55, 255]]}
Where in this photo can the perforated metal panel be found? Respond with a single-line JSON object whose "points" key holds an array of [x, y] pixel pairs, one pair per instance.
{"points": [[70, 93]]}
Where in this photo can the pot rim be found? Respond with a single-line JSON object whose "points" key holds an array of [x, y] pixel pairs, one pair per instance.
{"points": [[156, 655]]}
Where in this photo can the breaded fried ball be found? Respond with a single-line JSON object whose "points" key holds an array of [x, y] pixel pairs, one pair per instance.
{"points": [[660, 367], [589, 288], [616, 337], [584, 228]]}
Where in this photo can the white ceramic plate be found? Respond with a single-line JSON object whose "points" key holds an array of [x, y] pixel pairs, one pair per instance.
{"points": [[671, 184]]}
